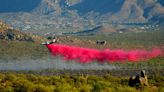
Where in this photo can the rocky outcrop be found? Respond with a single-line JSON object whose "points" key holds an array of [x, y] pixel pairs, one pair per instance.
{"points": [[136, 81], [8, 33]]}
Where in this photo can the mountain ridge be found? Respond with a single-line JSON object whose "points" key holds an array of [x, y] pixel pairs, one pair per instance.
{"points": [[83, 14]]}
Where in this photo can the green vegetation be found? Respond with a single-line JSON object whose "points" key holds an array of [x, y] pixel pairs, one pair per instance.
{"points": [[12, 82]]}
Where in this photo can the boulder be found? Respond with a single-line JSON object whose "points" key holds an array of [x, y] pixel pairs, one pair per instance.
{"points": [[138, 79]]}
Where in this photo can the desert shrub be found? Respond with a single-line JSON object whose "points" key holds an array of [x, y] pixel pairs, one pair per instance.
{"points": [[42, 88], [124, 81], [2, 76], [43, 80], [85, 88], [97, 87], [78, 80], [161, 89], [13, 82], [125, 89], [22, 85], [157, 80], [93, 79], [65, 87], [54, 80], [10, 77], [109, 89], [6, 89], [21, 75], [115, 80], [83, 79], [32, 77]]}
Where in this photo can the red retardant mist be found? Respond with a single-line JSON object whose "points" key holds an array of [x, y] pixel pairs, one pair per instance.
{"points": [[87, 55]]}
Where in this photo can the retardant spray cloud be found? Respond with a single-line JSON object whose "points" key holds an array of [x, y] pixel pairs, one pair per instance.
{"points": [[87, 55]]}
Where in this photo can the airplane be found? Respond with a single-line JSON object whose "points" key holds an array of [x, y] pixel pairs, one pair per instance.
{"points": [[50, 41]]}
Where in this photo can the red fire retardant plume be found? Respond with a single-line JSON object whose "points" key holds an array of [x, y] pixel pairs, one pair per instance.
{"points": [[86, 55]]}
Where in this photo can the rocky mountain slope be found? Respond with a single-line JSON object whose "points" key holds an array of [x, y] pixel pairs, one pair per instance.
{"points": [[8, 33], [20, 46], [122, 10], [80, 14]]}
